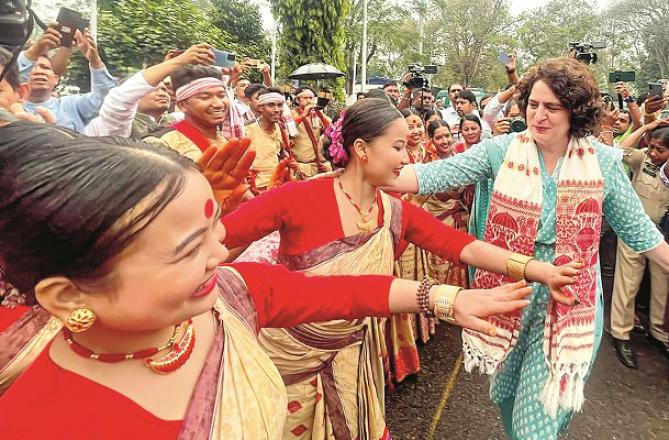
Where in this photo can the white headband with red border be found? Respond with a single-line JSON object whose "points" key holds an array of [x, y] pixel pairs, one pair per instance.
{"points": [[199, 85]]}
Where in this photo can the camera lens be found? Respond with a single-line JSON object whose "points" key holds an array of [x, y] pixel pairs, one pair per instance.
{"points": [[518, 125]]}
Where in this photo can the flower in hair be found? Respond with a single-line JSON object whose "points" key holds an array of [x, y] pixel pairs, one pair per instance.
{"points": [[337, 150]]}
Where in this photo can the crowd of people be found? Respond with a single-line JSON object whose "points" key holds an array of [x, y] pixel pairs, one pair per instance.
{"points": [[278, 263]]}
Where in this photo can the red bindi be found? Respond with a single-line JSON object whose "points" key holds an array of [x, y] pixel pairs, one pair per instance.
{"points": [[209, 208]]}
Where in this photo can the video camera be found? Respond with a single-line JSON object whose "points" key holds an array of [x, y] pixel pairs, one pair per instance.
{"points": [[584, 52], [15, 22], [69, 21], [323, 99], [418, 79]]}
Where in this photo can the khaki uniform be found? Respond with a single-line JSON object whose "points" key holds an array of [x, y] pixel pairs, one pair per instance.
{"points": [[268, 147], [303, 149], [630, 266], [182, 143]]}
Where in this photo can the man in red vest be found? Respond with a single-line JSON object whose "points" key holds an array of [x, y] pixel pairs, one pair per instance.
{"points": [[203, 97]]}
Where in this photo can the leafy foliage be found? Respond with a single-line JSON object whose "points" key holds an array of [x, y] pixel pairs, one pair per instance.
{"points": [[242, 22], [311, 31], [466, 38], [133, 34], [137, 33]]}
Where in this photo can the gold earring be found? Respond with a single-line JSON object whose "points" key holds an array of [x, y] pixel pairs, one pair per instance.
{"points": [[80, 320]]}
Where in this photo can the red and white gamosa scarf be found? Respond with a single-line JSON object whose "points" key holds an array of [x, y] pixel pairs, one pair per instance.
{"points": [[513, 222]]}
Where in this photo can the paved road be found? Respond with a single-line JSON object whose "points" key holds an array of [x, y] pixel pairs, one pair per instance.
{"points": [[622, 404]]}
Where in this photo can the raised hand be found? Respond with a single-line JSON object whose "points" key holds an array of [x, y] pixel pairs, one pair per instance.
{"points": [[88, 48], [196, 54], [473, 306], [511, 65], [656, 123], [226, 169], [50, 39], [609, 115], [43, 115], [622, 89], [561, 277], [654, 104], [282, 173], [502, 126]]}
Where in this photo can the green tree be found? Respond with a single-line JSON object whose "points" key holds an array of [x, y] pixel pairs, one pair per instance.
{"points": [[311, 31], [391, 39], [643, 24], [241, 20], [465, 38], [133, 34]]}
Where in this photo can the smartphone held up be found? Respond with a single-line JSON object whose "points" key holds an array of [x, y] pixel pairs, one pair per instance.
{"points": [[224, 59], [69, 21]]}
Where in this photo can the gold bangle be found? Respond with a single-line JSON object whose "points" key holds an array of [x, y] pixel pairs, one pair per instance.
{"points": [[444, 302], [516, 264]]}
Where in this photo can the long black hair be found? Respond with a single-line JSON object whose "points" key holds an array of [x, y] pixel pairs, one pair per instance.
{"points": [[435, 125], [367, 119], [661, 133], [471, 118], [66, 202]]}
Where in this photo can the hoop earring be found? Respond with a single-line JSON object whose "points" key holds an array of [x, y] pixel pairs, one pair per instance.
{"points": [[80, 320]]}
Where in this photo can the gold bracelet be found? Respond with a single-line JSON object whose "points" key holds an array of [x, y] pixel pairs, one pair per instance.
{"points": [[444, 302], [516, 264]]}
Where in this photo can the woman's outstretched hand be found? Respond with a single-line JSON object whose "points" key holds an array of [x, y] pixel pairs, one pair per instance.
{"points": [[226, 169], [560, 277], [473, 306]]}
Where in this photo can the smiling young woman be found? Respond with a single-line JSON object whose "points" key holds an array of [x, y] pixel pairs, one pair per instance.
{"points": [[346, 225], [119, 245], [552, 185]]}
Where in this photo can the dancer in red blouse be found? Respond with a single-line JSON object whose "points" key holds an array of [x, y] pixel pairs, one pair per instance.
{"points": [[346, 225], [119, 242]]}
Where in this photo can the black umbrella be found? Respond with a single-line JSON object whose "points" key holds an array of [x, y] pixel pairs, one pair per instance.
{"points": [[316, 71]]}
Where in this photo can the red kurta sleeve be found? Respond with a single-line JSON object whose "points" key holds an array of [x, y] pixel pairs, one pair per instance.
{"points": [[424, 230], [285, 299], [9, 316], [324, 119], [304, 212], [257, 217]]}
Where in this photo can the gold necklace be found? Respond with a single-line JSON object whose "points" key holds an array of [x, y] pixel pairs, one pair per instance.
{"points": [[367, 224]]}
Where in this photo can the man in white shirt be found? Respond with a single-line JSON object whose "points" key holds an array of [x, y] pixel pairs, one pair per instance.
{"points": [[144, 91], [450, 114], [465, 104]]}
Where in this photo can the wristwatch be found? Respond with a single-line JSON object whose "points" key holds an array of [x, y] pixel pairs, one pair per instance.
{"points": [[629, 99]]}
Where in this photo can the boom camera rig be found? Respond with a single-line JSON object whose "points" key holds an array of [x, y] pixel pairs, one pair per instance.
{"points": [[585, 52], [17, 21], [418, 79]]}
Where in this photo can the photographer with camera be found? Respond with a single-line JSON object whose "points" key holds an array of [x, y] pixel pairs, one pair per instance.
{"points": [[628, 120], [74, 111], [503, 113], [465, 104], [417, 92], [311, 123]]}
